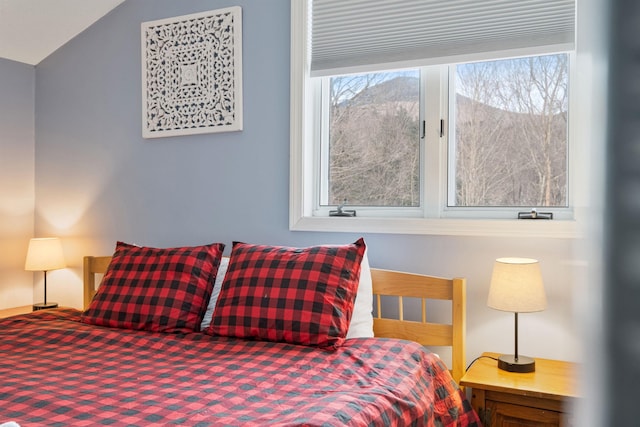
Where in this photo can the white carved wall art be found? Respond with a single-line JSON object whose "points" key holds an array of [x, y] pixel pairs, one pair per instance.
{"points": [[192, 74]]}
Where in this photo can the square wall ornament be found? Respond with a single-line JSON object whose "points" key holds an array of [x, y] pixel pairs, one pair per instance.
{"points": [[192, 74]]}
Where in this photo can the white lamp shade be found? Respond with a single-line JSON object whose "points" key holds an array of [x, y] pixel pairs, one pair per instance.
{"points": [[44, 254], [516, 286]]}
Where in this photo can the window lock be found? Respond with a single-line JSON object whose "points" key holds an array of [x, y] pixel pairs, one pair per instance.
{"points": [[342, 212], [534, 214]]}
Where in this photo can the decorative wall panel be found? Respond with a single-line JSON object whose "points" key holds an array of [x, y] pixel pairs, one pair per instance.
{"points": [[192, 74]]}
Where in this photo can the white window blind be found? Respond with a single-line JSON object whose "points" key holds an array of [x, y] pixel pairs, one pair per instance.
{"points": [[348, 34]]}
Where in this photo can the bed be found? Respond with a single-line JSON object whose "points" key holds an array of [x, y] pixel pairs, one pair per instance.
{"points": [[61, 367]]}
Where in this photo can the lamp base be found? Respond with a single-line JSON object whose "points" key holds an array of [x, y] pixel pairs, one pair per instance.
{"points": [[43, 306], [522, 364]]}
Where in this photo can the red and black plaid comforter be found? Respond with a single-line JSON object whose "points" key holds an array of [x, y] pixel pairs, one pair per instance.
{"points": [[55, 370]]}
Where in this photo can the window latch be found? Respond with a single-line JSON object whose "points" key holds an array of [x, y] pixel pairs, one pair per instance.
{"points": [[534, 214], [341, 211]]}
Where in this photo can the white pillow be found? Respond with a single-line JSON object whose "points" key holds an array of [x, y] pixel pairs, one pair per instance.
{"points": [[362, 317], [361, 320], [215, 293]]}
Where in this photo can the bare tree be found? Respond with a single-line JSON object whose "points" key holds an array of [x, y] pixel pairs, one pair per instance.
{"points": [[482, 167], [374, 141]]}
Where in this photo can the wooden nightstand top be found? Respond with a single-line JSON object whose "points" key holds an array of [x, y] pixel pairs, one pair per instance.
{"points": [[14, 311], [552, 379]]}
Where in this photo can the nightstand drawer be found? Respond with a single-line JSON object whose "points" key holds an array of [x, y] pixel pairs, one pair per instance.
{"points": [[528, 401], [506, 414]]}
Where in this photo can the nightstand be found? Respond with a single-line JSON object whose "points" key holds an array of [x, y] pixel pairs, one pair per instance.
{"points": [[540, 398], [7, 312]]}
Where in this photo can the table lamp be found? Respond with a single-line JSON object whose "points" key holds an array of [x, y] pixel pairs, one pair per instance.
{"points": [[516, 286], [44, 254]]}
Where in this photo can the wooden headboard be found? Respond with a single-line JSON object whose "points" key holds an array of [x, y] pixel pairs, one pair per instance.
{"points": [[92, 265], [428, 333], [385, 283]]}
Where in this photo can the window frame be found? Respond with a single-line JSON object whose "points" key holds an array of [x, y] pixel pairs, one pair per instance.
{"points": [[436, 218]]}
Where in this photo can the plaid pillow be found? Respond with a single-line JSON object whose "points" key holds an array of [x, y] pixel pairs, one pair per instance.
{"points": [[294, 295], [160, 290]]}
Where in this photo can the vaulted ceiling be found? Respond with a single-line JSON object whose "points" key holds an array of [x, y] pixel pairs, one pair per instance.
{"points": [[30, 30]]}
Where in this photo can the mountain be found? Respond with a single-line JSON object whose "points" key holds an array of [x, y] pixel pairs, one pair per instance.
{"points": [[398, 89]]}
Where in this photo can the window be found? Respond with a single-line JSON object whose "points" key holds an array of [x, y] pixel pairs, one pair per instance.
{"points": [[372, 141], [417, 148], [510, 133]]}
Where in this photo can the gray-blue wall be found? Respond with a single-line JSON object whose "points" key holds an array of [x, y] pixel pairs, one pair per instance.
{"points": [[98, 180], [17, 84]]}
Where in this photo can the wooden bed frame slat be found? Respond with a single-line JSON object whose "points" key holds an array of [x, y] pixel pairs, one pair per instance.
{"points": [[385, 283], [436, 334], [397, 283]]}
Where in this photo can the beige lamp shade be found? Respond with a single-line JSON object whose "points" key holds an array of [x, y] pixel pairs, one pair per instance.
{"points": [[516, 286], [44, 254]]}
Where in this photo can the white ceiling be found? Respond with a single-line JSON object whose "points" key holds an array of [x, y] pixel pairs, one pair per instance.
{"points": [[30, 30]]}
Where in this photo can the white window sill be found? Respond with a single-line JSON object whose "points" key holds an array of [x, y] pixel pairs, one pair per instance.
{"points": [[442, 226]]}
